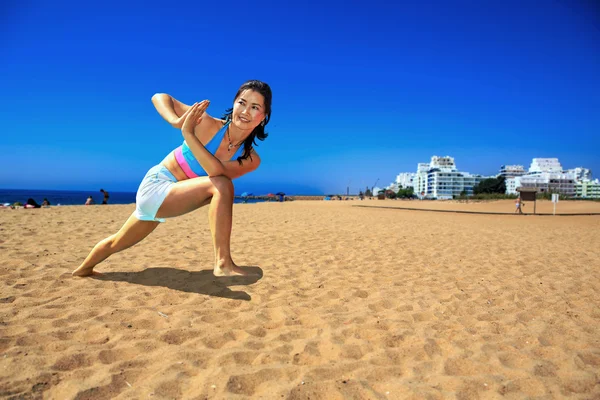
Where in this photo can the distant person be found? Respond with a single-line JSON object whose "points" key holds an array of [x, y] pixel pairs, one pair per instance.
{"points": [[518, 205], [105, 200], [31, 203], [199, 172], [90, 201], [45, 203]]}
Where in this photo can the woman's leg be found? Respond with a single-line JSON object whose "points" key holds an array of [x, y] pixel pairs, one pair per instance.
{"points": [[188, 195], [130, 233]]}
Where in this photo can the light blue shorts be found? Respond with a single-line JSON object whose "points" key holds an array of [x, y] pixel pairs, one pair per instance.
{"points": [[153, 190]]}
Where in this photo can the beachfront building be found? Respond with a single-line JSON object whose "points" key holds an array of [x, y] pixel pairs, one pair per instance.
{"points": [[511, 185], [547, 175], [444, 185], [580, 173], [442, 180], [541, 165], [588, 189], [511, 171], [548, 182], [393, 187], [405, 180], [420, 180]]}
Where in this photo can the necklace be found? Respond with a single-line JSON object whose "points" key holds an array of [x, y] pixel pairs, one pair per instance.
{"points": [[231, 145]]}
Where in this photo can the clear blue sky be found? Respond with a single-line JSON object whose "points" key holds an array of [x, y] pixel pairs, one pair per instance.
{"points": [[361, 90]]}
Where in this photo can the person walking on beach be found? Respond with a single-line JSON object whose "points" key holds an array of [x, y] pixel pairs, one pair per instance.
{"points": [[105, 199], [518, 206], [199, 172]]}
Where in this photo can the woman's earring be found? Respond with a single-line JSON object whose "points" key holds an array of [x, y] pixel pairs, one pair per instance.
{"points": [[263, 122]]}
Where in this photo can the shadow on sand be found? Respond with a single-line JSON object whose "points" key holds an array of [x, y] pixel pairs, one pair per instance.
{"points": [[201, 282]]}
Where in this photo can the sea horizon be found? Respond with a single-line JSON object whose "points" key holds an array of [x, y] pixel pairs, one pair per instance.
{"points": [[79, 197]]}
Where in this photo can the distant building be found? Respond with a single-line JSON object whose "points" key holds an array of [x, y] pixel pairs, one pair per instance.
{"points": [[393, 187], [580, 173], [588, 189], [547, 175], [406, 179], [420, 179], [540, 165], [442, 180], [511, 185], [510, 171], [548, 182]]}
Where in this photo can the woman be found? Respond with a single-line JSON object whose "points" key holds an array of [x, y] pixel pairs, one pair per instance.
{"points": [[197, 173]]}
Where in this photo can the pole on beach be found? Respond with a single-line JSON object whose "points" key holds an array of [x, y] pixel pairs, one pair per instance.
{"points": [[554, 201]]}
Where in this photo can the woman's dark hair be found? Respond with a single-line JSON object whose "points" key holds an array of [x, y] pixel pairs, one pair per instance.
{"points": [[259, 131], [32, 202]]}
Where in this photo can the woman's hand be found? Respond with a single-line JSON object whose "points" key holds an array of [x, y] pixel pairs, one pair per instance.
{"points": [[193, 116], [178, 122]]}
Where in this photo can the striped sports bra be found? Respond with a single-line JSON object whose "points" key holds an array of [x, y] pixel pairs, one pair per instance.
{"points": [[188, 163]]}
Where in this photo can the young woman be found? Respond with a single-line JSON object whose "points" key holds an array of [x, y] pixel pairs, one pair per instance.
{"points": [[197, 173]]}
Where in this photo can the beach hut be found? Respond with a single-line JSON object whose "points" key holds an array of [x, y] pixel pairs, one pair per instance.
{"points": [[527, 194]]}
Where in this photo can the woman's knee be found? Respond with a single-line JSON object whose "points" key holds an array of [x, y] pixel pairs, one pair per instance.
{"points": [[223, 185]]}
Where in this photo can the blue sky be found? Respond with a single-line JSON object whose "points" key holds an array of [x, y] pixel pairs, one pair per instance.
{"points": [[361, 90]]}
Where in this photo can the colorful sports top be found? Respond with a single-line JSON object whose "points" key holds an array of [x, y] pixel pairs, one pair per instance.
{"points": [[188, 163]]}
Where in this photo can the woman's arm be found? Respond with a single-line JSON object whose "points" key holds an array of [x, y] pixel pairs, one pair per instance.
{"points": [[232, 169], [211, 164], [171, 109]]}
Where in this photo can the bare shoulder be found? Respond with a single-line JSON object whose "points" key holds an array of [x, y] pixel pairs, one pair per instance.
{"points": [[207, 127], [217, 121]]}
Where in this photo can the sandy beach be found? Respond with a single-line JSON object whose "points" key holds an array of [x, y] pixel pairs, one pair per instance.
{"points": [[350, 303]]}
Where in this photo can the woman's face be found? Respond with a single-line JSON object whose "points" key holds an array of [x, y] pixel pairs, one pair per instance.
{"points": [[248, 110]]}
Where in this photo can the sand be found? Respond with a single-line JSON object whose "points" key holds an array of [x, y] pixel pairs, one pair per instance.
{"points": [[351, 303]]}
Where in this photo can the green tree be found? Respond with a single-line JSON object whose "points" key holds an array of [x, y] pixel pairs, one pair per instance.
{"points": [[491, 185], [406, 193]]}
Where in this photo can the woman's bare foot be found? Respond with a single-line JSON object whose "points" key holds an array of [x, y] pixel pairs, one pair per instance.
{"points": [[85, 272], [229, 269]]}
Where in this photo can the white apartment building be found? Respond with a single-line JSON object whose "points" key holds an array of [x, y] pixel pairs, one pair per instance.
{"points": [[511, 185], [540, 165], [510, 171], [445, 185], [420, 179], [548, 182], [588, 189], [405, 179], [444, 181], [394, 186], [547, 175], [580, 173]]}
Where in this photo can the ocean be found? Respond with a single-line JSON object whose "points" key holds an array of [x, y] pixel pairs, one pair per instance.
{"points": [[73, 197]]}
